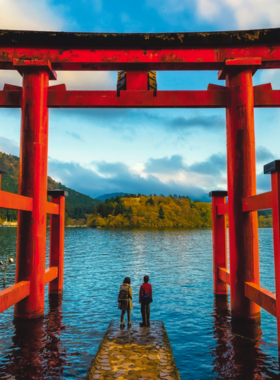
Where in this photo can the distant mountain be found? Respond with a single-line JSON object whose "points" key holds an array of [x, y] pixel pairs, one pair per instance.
{"points": [[77, 205], [109, 196]]}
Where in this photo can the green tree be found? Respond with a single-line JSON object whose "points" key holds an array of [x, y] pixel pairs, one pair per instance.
{"points": [[150, 201], [160, 213]]}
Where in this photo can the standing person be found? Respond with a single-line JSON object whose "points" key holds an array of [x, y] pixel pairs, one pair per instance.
{"points": [[125, 303], [145, 298]]}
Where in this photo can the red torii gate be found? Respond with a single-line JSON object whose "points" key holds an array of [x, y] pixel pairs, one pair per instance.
{"points": [[235, 55]]}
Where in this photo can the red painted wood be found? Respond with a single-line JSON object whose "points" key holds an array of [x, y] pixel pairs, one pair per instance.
{"points": [[215, 97], [31, 246], [52, 208], [15, 201], [222, 209], [257, 202], [241, 61], [275, 186], [57, 245], [58, 87], [50, 274], [266, 98], [32, 63], [136, 80], [14, 294], [262, 87], [262, 297], [10, 99], [241, 170], [11, 87], [224, 275], [189, 58], [137, 99], [219, 244]]}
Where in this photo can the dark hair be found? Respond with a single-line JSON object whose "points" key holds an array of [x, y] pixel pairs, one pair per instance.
{"points": [[146, 278], [126, 280]]}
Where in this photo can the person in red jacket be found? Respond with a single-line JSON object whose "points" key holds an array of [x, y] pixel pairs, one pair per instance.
{"points": [[145, 298]]}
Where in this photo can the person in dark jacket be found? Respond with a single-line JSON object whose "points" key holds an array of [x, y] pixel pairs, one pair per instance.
{"points": [[145, 298], [126, 304]]}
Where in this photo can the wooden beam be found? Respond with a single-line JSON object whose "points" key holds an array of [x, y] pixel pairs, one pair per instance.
{"points": [[51, 274], [137, 99], [261, 296], [52, 208], [214, 97], [257, 202], [183, 57], [14, 294], [15, 201], [224, 275]]}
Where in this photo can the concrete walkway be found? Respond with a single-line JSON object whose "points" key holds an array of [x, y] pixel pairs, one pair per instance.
{"points": [[136, 353]]}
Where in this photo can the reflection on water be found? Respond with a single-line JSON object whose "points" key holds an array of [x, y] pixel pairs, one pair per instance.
{"points": [[238, 353], [36, 351], [61, 344]]}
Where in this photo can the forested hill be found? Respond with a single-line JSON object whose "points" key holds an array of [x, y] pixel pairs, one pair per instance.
{"points": [[151, 212], [77, 205]]}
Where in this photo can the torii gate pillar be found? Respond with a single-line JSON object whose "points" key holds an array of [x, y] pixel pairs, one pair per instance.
{"points": [[31, 244], [241, 174]]}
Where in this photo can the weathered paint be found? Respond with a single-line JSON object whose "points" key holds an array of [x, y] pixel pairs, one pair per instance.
{"points": [[31, 236], [241, 179], [214, 97], [238, 38], [188, 58]]}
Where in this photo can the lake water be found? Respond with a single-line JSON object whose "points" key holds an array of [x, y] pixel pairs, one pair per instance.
{"points": [[62, 344]]}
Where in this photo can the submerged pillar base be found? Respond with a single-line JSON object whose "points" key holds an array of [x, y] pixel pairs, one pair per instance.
{"points": [[138, 352]]}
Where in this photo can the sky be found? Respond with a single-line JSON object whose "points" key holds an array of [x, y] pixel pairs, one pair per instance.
{"points": [[144, 151]]}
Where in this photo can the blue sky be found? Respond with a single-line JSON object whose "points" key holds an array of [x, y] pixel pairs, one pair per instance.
{"points": [[147, 151]]}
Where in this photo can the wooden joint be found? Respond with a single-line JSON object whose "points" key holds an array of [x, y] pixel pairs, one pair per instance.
{"points": [[216, 87], [29, 65], [224, 275], [58, 87], [11, 87], [262, 297], [252, 63]]}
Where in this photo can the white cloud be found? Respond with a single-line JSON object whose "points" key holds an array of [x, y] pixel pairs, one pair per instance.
{"points": [[247, 13], [27, 15], [86, 80], [30, 15], [74, 80], [241, 14]]}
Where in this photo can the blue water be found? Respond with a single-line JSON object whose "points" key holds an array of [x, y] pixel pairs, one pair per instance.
{"points": [[179, 262]]}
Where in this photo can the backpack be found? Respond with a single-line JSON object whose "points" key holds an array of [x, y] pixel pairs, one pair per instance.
{"points": [[123, 296]]}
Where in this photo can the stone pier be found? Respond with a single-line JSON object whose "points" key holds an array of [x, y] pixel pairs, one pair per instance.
{"points": [[136, 354]]}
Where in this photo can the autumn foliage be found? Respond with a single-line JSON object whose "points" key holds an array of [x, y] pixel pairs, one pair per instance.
{"points": [[151, 212]]}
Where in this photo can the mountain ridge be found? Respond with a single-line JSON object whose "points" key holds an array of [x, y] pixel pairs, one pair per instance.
{"points": [[77, 205]]}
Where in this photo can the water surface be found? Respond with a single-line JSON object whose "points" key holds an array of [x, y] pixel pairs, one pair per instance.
{"points": [[62, 344]]}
